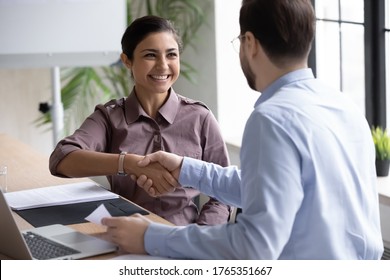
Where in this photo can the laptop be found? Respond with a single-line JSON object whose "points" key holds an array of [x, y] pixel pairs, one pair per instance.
{"points": [[62, 241]]}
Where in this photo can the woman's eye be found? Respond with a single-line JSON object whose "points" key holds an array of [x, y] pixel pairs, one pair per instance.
{"points": [[150, 55], [172, 55]]}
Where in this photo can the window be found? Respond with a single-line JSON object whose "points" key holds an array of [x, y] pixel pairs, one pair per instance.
{"points": [[351, 52], [340, 46]]}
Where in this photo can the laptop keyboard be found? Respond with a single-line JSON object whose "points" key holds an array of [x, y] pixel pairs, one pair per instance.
{"points": [[42, 248]]}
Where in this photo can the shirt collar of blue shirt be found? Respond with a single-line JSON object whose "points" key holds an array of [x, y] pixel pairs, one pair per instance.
{"points": [[294, 76]]}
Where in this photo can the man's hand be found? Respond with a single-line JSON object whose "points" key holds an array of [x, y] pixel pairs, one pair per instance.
{"points": [[127, 232], [154, 173], [170, 161]]}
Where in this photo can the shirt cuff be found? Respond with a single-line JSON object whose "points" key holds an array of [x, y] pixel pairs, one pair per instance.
{"points": [[155, 239], [191, 170]]}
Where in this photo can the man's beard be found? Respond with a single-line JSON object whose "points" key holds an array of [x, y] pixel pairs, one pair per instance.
{"points": [[248, 73]]}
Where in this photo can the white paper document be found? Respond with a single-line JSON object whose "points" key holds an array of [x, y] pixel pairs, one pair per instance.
{"points": [[58, 195], [98, 214]]}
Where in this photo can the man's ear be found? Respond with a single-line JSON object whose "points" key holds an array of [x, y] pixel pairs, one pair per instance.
{"points": [[126, 61], [252, 44]]}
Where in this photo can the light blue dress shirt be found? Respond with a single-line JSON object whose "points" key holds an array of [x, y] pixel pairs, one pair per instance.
{"points": [[307, 185]]}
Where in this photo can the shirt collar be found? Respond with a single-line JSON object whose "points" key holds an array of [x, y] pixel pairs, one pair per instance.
{"points": [[294, 76], [133, 109]]}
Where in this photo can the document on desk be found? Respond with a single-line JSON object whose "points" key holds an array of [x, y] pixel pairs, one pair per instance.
{"points": [[98, 214], [58, 195]]}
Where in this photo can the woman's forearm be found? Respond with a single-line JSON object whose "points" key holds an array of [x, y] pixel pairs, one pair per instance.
{"points": [[83, 163]]}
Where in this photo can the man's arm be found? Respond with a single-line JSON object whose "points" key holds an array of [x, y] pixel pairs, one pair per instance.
{"points": [[222, 183]]}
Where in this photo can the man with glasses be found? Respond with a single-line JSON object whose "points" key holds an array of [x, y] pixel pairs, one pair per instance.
{"points": [[307, 184]]}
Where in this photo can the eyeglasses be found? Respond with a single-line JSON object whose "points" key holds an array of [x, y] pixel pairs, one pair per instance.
{"points": [[236, 42]]}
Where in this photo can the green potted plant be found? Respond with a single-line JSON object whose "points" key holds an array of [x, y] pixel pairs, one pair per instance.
{"points": [[381, 140]]}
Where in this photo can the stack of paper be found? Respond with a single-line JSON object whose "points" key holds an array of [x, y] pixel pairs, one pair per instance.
{"points": [[58, 195]]}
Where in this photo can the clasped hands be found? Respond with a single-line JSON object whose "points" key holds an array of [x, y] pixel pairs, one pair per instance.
{"points": [[158, 173]]}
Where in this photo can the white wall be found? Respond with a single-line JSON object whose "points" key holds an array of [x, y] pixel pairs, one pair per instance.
{"points": [[21, 90], [235, 98], [203, 59], [40, 33]]}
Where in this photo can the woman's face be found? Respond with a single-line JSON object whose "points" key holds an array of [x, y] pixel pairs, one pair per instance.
{"points": [[156, 63]]}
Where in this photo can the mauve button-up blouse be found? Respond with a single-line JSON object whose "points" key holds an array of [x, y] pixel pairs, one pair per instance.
{"points": [[182, 126]]}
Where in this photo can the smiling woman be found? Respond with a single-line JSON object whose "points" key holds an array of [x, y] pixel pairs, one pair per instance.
{"points": [[151, 51], [151, 118]]}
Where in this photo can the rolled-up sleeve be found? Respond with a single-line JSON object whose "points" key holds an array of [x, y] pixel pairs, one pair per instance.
{"points": [[90, 136]]}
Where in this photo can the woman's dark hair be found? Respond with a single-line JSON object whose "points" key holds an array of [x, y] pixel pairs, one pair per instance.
{"points": [[142, 27], [285, 28]]}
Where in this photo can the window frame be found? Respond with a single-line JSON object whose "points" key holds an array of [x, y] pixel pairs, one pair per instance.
{"points": [[375, 61]]}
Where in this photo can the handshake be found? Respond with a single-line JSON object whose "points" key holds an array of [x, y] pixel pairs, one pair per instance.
{"points": [[157, 173]]}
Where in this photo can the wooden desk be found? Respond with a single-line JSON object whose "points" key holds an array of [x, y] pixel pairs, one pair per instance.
{"points": [[28, 169]]}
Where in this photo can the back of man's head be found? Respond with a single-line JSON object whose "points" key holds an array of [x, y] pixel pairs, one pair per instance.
{"points": [[284, 28]]}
